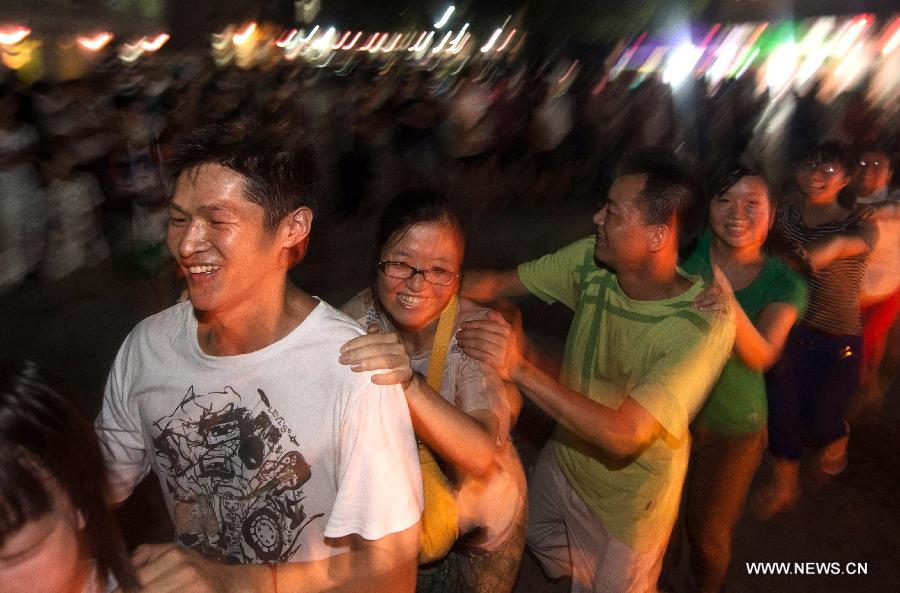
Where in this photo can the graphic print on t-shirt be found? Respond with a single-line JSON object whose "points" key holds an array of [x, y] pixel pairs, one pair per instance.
{"points": [[235, 481]]}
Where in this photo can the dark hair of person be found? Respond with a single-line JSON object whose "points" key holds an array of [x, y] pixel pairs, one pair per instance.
{"points": [[671, 190], [409, 208], [834, 152], [829, 152], [727, 176], [279, 168], [43, 436]]}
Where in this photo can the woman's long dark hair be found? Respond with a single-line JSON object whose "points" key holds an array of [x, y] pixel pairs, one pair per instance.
{"points": [[43, 436]]}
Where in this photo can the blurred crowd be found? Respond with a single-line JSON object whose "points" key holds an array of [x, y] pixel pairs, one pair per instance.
{"points": [[80, 160]]}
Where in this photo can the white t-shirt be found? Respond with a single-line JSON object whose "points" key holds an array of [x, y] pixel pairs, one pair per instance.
{"points": [[260, 456]]}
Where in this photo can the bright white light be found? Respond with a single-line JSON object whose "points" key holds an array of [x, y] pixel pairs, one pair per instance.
{"points": [[781, 66], [324, 41], [240, 38], [15, 36], [95, 43], [487, 46], [443, 20], [287, 39], [681, 63]]}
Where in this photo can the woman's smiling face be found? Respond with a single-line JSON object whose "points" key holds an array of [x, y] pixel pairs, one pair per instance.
{"points": [[414, 304]]}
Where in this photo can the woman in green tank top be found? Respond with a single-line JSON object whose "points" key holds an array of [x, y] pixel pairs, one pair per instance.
{"points": [[729, 432]]}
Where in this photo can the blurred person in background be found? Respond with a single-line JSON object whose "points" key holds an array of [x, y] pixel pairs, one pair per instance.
{"points": [[461, 410], [57, 534], [880, 293], [810, 387], [73, 230], [23, 213]]}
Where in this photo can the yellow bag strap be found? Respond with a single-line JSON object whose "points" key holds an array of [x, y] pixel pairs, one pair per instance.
{"points": [[441, 345]]}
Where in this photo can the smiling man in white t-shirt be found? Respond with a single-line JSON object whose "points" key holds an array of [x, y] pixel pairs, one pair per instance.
{"points": [[279, 467]]}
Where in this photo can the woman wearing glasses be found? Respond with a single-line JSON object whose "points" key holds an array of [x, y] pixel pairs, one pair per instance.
{"points": [[460, 409], [809, 389]]}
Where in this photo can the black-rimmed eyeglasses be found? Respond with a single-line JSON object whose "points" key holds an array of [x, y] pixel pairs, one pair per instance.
{"points": [[402, 271]]}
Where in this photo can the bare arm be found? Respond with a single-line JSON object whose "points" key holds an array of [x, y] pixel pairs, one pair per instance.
{"points": [[621, 433], [484, 286], [820, 254], [384, 565], [758, 345], [466, 442]]}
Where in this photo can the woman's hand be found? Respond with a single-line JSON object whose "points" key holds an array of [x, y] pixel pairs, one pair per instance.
{"points": [[494, 342], [716, 297], [379, 351]]}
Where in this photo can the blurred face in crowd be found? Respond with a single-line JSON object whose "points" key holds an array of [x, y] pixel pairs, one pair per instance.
{"points": [[415, 303], [742, 215], [821, 181], [622, 234], [873, 172], [46, 555], [219, 239]]}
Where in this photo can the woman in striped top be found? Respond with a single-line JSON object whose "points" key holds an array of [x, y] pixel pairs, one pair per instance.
{"points": [[819, 371]]}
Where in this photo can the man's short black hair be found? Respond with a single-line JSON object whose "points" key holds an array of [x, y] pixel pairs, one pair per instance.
{"points": [[671, 190], [829, 152], [279, 168]]}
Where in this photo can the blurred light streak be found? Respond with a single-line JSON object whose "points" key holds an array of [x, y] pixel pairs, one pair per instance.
{"points": [[393, 45], [344, 38], [458, 48], [626, 56], [490, 43], [893, 41], [309, 37], [95, 43], [352, 43], [287, 39], [446, 17], [681, 64], [241, 38], [459, 36], [440, 46], [15, 36], [747, 62], [415, 46], [506, 43], [781, 66], [369, 42], [154, 44]]}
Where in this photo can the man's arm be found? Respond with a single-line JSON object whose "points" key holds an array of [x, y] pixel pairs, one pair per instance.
{"points": [[385, 565], [621, 433], [485, 286]]}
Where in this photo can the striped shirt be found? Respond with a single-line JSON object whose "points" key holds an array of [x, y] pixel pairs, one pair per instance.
{"points": [[834, 290]]}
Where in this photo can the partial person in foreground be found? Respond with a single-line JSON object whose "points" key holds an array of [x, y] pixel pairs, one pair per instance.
{"points": [[461, 410], [638, 364], [729, 433], [828, 240], [56, 533], [281, 468]]}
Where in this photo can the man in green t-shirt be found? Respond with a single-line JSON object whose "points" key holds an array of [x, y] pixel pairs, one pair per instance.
{"points": [[638, 363]]}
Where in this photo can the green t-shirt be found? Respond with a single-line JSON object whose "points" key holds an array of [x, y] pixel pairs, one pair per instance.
{"points": [[664, 354], [737, 403]]}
